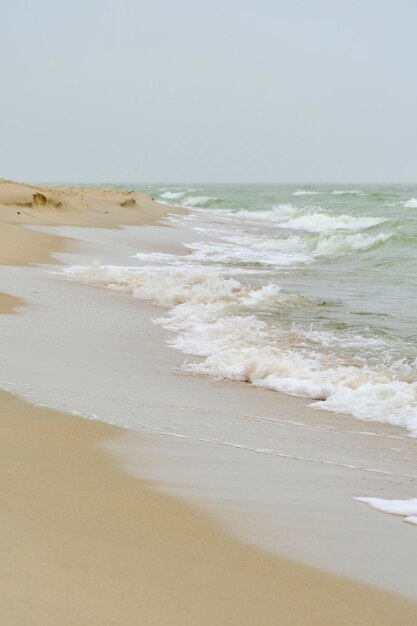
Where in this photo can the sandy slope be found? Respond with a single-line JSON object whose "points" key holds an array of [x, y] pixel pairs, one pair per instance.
{"points": [[26, 204]]}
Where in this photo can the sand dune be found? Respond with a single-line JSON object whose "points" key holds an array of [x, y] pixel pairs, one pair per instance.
{"points": [[22, 204]]}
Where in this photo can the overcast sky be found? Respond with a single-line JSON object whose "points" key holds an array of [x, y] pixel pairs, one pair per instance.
{"points": [[208, 91]]}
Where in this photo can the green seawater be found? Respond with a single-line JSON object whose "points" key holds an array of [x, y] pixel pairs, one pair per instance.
{"points": [[370, 289], [330, 277]]}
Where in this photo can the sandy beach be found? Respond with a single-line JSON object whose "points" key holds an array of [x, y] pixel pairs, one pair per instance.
{"points": [[83, 542], [54, 206]]}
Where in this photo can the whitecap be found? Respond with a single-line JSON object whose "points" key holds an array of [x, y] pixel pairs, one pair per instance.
{"points": [[306, 218], [411, 203], [172, 195], [198, 201], [346, 192], [322, 222], [339, 244], [277, 213], [305, 192]]}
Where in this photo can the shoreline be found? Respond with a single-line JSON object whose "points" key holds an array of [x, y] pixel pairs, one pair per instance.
{"points": [[85, 543], [32, 205], [343, 588], [9, 304]]}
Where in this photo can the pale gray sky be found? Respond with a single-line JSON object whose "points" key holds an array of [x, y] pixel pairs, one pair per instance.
{"points": [[219, 90]]}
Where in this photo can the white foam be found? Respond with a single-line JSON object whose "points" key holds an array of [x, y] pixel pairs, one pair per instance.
{"points": [[324, 222], [411, 203], [276, 214], [406, 508], [208, 314], [290, 217], [245, 250], [172, 195], [338, 244], [282, 251], [377, 397], [305, 192], [395, 507], [346, 192], [198, 201]]}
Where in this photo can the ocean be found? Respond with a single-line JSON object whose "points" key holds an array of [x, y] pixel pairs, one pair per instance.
{"points": [[307, 290]]}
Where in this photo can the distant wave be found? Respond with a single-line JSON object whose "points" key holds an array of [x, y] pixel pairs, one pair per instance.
{"points": [[198, 201], [309, 219], [337, 245], [282, 251], [300, 236], [411, 204], [172, 195], [322, 222], [346, 192], [303, 192]]}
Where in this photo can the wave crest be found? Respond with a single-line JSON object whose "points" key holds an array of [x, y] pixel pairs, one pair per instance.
{"points": [[411, 203], [305, 192], [323, 222], [199, 201]]}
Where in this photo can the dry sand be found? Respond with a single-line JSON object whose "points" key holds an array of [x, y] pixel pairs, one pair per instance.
{"points": [[83, 543], [57, 206]]}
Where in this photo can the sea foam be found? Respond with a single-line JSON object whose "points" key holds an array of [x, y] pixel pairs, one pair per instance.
{"points": [[172, 195], [307, 218], [225, 305], [210, 316], [198, 201], [346, 192], [406, 508], [322, 222], [305, 192]]}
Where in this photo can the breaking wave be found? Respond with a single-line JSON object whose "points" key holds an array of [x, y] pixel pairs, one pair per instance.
{"points": [[346, 192], [305, 192], [306, 218], [249, 298], [322, 222], [411, 203], [172, 195], [282, 251], [198, 201], [214, 317]]}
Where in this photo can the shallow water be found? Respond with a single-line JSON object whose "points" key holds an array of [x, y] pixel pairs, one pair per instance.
{"points": [[310, 291]]}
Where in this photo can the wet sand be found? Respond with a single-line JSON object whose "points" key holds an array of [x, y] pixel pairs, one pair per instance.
{"points": [[82, 543], [9, 303]]}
